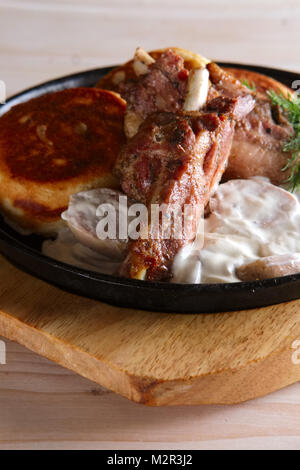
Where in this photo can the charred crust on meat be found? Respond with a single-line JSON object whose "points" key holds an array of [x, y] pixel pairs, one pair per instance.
{"points": [[177, 137]]}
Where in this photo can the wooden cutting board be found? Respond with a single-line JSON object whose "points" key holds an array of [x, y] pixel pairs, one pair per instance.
{"points": [[153, 358]]}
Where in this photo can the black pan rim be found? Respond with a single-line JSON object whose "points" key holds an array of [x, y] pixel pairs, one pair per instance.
{"points": [[196, 289], [232, 286]]}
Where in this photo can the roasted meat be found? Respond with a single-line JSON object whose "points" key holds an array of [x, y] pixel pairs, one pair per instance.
{"points": [[175, 160], [139, 65], [224, 84], [160, 85], [160, 82], [257, 148]]}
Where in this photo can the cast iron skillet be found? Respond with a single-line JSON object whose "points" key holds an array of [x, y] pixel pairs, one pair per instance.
{"points": [[24, 251]]}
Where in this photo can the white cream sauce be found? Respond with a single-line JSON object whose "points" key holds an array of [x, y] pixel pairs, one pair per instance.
{"points": [[249, 219], [67, 249], [82, 218]]}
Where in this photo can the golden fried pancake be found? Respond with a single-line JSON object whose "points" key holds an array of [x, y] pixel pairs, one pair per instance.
{"points": [[263, 83], [125, 72], [54, 146]]}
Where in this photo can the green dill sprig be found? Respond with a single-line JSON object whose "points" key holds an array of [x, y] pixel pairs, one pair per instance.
{"points": [[291, 105], [251, 85]]}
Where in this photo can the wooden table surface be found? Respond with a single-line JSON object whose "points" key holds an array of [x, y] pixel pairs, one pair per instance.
{"points": [[42, 405]]}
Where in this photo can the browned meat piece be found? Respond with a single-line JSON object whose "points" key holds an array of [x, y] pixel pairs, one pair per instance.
{"points": [[237, 107], [138, 65], [226, 94], [224, 83], [271, 266], [161, 153], [162, 87], [161, 138], [176, 160], [257, 148], [165, 85]]}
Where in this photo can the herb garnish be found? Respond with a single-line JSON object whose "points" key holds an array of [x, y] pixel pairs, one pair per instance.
{"points": [[251, 85], [291, 105]]}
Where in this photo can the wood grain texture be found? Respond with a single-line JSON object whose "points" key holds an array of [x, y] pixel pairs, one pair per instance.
{"points": [[152, 358], [44, 406], [42, 39], [41, 404]]}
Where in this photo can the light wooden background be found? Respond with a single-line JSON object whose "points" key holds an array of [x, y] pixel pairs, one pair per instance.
{"points": [[41, 404]]}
